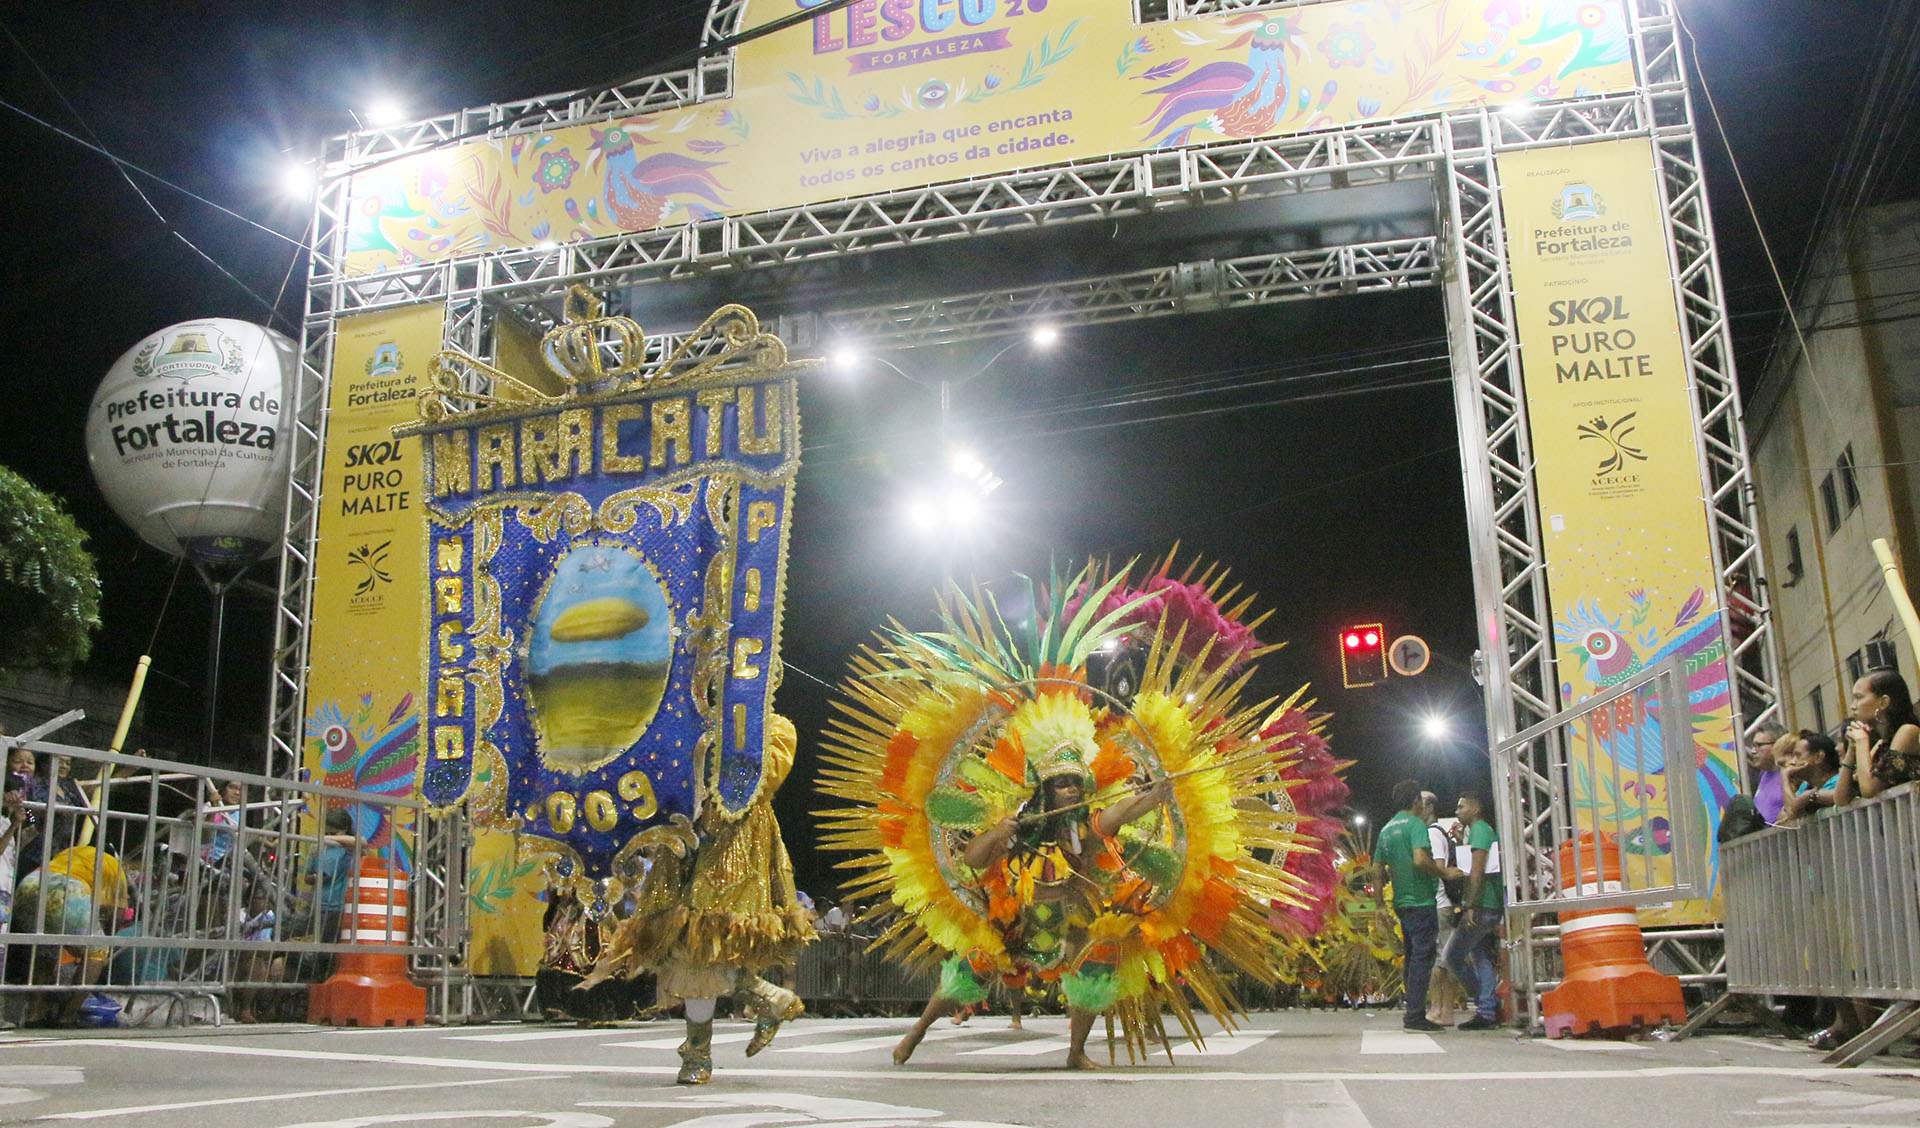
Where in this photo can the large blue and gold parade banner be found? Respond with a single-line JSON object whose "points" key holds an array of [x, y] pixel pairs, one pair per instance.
{"points": [[606, 571]]}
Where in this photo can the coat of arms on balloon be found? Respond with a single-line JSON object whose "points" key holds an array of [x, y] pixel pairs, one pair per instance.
{"points": [[607, 566]]}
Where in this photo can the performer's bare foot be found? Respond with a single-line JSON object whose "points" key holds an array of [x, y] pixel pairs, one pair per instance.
{"points": [[1079, 1060], [909, 1042], [1015, 1024], [937, 1008]]}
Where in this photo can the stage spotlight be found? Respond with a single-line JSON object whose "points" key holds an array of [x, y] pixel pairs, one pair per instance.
{"points": [[1044, 336], [297, 180], [963, 508], [385, 111], [845, 359], [921, 514]]}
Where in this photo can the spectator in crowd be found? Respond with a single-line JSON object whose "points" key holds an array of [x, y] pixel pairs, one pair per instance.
{"points": [[1470, 953], [1443, 993], [14, 829], [55, 801], [84, 893], [1763, 749], [1883, 737], [835, 919], [1812, 777], [257, 966], [324, 880], [1404, 851]]}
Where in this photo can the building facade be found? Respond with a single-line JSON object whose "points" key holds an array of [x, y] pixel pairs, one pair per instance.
{"points": [[1834, 428]]}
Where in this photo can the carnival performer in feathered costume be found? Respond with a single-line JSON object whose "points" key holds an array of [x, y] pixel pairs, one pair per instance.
{"points": [[708, 921], [1027, 823]]}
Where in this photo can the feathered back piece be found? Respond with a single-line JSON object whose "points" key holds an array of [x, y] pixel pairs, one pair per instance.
{"points": [[942, 735]]}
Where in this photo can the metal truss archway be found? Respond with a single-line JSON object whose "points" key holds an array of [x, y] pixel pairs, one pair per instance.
{"points": [[1453, 152]]}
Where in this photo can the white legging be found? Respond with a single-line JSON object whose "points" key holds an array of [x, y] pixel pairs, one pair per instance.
{"points": [[699, 1010]]}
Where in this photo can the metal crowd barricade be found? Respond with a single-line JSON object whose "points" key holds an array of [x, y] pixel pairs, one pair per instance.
{"points": [[837, 972], [1829, 906], [145, 883], [1580, 779]]}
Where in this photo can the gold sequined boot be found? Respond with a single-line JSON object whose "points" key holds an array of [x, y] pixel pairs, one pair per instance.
{"points": [[770, 1006], [696, 1054]]}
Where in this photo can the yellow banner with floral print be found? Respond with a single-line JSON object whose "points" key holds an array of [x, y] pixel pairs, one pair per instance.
{"points": [[367, 630], [889, 94], [1629, 565]]}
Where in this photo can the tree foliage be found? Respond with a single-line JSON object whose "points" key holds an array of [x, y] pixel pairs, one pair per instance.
{"points": [[49, 589]]}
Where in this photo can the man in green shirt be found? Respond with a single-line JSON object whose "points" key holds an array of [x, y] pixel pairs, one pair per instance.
{"points": [[1404, 853], [1469, 953]]}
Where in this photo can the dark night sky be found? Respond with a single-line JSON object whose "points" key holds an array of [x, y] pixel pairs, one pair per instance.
{"points": [[1335, 510]]}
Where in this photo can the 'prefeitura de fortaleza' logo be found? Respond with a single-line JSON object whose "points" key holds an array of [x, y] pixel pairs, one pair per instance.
{"points": [[187, 351], [386, 360], [1578, 202]]}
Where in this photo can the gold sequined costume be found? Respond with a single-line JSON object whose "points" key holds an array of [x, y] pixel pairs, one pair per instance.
{"points": [[707, 923]]}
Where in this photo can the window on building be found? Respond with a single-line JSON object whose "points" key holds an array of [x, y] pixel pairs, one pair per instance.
{"points": [[1856, 665], [1830, 501], [1849, 481], [1796, 567], [1880, 654], [1817, 706]]}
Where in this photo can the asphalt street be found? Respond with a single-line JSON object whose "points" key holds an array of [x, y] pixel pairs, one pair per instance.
{"points": [[1290, 1069]]}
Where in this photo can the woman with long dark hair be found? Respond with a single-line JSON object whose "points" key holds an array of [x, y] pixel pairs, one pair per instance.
{"points": [[1883, 737]]}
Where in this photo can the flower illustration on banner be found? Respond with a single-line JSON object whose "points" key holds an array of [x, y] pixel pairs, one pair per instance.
{"points": [[556, 171], [1347, 45]]}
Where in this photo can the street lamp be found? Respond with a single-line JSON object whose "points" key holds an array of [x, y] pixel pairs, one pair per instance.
{"points": [[1436, 728]]}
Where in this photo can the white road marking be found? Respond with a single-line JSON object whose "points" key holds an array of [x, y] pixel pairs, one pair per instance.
{"points": [[1398, 1042], [1319, 1104], [1576, 1045], [1029, 1047], [885, 1041], [136, 1110], [1867, 1104], [540, 1035], [1222, 1044], [670, 1043], [540, 1119], [795, 1109], [1047, 1077], [1776, 1045]]}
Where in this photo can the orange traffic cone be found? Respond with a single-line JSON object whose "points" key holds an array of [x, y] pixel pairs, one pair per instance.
{"points": [[1609, 985], [370, 987]]}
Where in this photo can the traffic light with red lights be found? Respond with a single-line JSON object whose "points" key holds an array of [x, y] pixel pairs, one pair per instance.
{"points": [[1363, 655]]}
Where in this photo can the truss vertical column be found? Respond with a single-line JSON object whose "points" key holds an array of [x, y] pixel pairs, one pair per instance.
{"points": [[293, 607], [1753, 659], [1513, 616], [1503, 524]]}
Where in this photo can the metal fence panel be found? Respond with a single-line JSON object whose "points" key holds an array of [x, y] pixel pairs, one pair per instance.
{"points": [[146, 877], [1829, 906], [1581, 778]]}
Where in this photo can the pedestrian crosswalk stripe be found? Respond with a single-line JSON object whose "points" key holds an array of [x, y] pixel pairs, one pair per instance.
{"points": [[885, 1041], [1223, 1044], [1588, 1047], [1397, 1042], [674, 1041], [1027, 1047], [534, 1035]]}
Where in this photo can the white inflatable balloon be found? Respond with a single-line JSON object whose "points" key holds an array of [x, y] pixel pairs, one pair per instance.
{"points": [[187, 437]]}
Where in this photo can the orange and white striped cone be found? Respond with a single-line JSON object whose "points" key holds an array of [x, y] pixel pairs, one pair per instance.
{"points": [[1609, 985], [370, 987]]}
